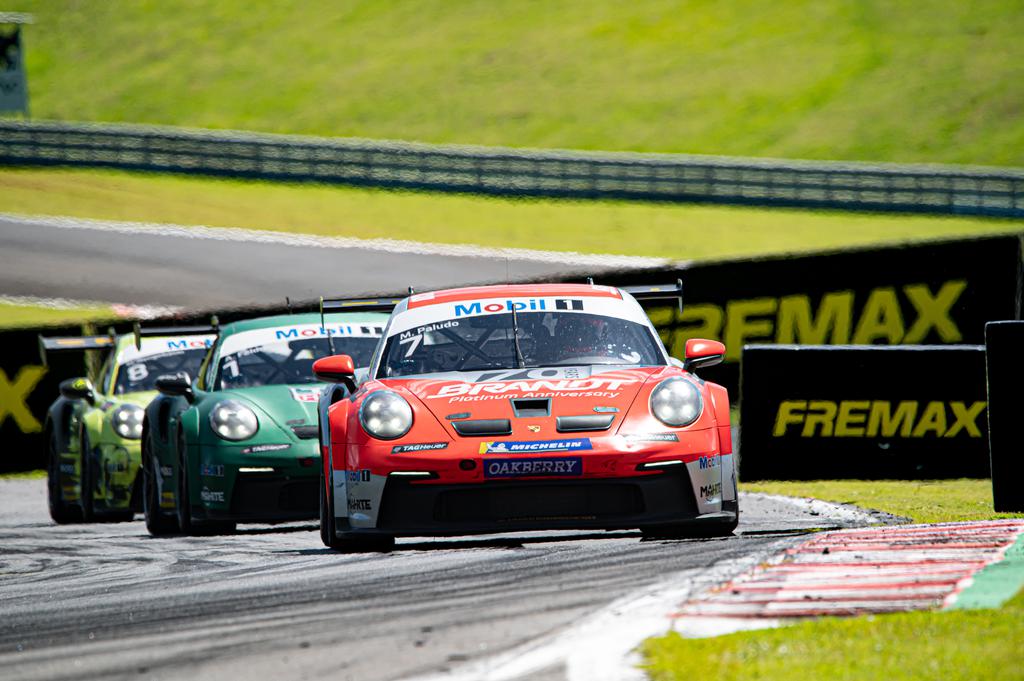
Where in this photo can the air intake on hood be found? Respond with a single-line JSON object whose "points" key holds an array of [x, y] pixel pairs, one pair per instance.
{"points": [[576, 424], [483, 427], [531, 407]]}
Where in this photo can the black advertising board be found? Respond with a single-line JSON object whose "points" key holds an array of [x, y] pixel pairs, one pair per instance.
{"points": [[863, 412], [930, 293], [27, 388], [925, 293], [1004, 363]]}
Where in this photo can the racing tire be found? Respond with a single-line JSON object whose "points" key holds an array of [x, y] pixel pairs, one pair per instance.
{"points": [[87, 479], [158, 524], [60, 512], [182, 501], [327, 535]]}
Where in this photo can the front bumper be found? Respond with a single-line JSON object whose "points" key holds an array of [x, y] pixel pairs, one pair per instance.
{"points": [[260, 488], [651, 501]]}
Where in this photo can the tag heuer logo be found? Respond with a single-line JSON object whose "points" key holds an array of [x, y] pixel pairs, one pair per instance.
{"points": [[533, 429]]}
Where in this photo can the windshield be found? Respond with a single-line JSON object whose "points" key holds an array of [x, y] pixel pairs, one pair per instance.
{"points": [[140, 373], [545, 339], [285, 356]]}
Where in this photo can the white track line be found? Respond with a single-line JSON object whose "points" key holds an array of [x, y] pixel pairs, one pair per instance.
{"points": [[314, 241]]}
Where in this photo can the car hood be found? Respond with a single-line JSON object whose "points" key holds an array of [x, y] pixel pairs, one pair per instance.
{"points": [[572, 391]]}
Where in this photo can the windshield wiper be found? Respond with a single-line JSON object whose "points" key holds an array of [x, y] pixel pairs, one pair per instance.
{"points": [[515, 338]]}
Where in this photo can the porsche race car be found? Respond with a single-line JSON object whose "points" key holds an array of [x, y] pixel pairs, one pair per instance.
{"points": [[239, 443], [525, 407], [92, 431]]}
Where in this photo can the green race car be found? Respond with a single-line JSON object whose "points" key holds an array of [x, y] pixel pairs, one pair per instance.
{"points": [[92, 430], [241, 443]]}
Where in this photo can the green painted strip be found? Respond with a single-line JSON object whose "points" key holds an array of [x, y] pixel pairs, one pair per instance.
{"points": [[995, 584]]}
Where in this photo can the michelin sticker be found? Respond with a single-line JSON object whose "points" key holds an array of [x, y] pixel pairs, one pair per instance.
{"points": [[506, 447]]}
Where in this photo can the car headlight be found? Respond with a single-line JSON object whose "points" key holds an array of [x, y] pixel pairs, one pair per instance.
{"points": [[385, 415], [232, 420], [127, 421], [676, 402]]}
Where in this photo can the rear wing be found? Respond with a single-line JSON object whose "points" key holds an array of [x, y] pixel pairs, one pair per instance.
{"points": [[152, 331], [662, 292], [353, 305], [75, 344]]}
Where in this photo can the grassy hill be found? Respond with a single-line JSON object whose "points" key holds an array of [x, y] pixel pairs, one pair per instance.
{"points": [[910, 80]]}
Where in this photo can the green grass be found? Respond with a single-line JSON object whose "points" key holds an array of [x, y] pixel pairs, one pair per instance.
{"points": [[929, 501], [893, 80], [24, 475], [952, 646], [674, 231], [14, 316]]}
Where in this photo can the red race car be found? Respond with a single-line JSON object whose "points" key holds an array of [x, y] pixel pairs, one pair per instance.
{"points": [[524, 407]]}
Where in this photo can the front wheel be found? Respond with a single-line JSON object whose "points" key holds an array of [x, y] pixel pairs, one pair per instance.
{"points": [[327, 535], [87, 479], [61, 512], [158, 524], [183, 502]]}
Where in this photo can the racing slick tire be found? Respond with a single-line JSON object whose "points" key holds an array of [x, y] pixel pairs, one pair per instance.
{"points": [[348, 542], [87, 477], [61, 512], [327, 535], [182, 503], [158, 525]]}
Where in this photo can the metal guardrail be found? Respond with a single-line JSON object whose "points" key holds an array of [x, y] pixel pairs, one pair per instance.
{"points": [[515, 172]]}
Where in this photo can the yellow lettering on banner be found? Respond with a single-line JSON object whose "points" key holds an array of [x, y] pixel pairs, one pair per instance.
{"points": [[932, 420], [881, 319], [825, 418], [966, 418], [934, 312], [786, 416], [14, 398], [882, 420], [832, 324], [851, 417], [740, 328]]}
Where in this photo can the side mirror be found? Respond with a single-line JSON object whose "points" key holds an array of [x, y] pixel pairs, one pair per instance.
{"points": [[336, 369], [176, 385], [702, 353], [78, 389]]}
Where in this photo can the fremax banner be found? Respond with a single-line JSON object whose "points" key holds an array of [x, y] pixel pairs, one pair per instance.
{"points": [[930, 293], [820, 412]]}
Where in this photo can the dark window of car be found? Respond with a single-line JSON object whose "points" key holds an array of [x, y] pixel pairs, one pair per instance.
{"points": [[286, 362], [140, 374], [545, 339]]}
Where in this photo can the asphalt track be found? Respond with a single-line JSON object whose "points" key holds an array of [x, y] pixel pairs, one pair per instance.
{"points": [[166, 267], [108, 601]]}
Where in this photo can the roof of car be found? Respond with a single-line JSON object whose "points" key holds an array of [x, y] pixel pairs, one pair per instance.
{"points": [[511, 291], [302, 318]]}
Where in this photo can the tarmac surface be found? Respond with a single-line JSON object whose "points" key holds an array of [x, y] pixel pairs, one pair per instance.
{"points": [[108, 601], [214, 268]]}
